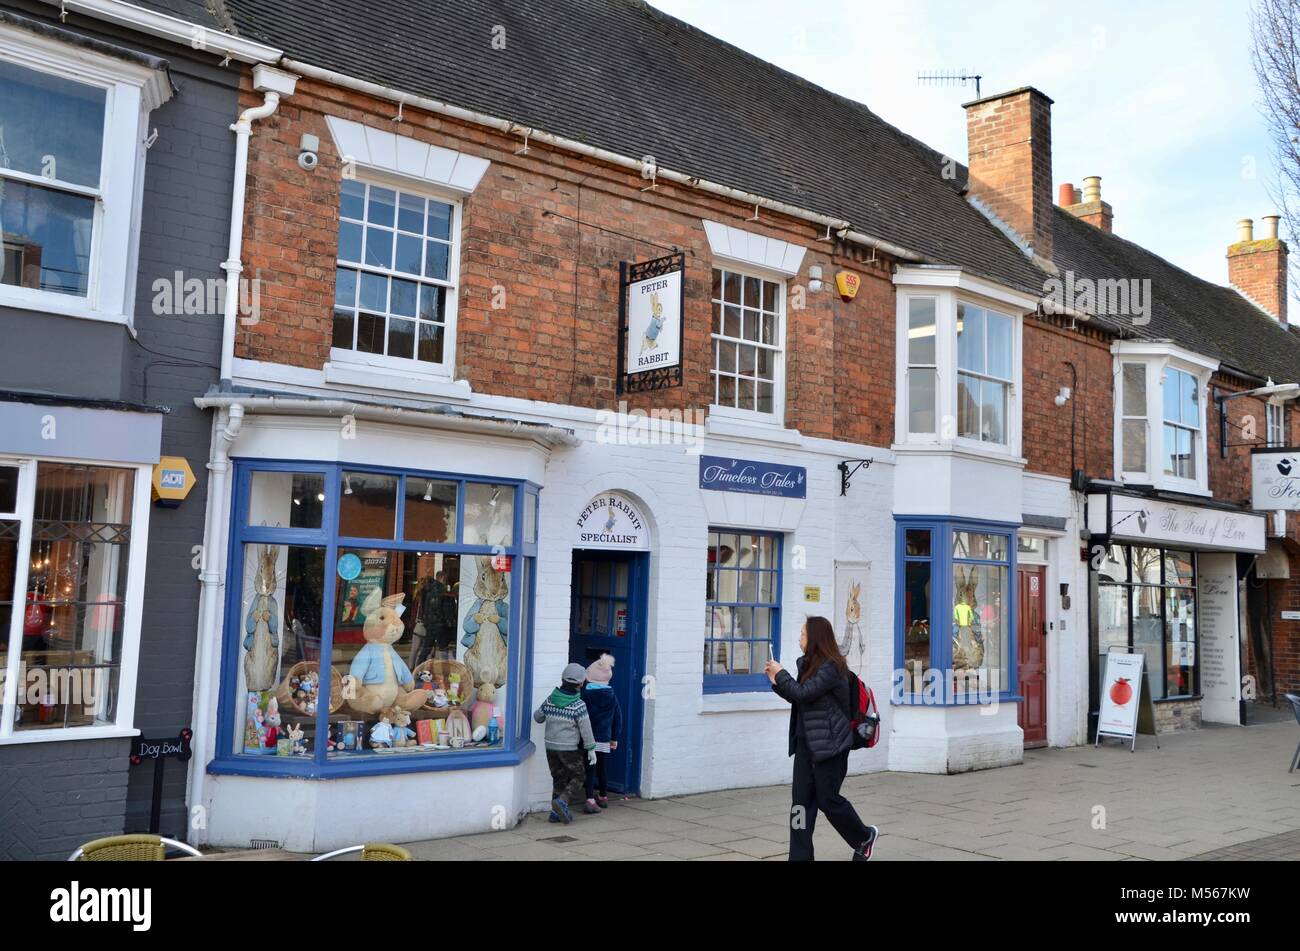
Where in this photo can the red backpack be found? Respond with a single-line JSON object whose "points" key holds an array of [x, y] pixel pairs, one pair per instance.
{"points": [[864, 719]]}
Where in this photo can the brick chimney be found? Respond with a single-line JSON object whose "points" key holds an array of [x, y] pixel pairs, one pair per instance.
{"points": [[1258, 268], [1087, 207], [1009, 137]]}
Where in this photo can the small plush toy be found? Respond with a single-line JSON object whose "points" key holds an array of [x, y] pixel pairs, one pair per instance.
{"points": [[297, 741], [381, 734], [272, 724], [481, 711], [403, 735]]}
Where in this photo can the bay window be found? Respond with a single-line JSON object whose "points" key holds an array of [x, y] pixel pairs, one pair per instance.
{"points": [[72, 541], [71, 155], [955, 642], [1160, 415], [959, 362], [375, 622]]}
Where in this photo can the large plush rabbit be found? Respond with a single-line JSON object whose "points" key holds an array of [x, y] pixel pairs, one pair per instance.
{"points": [[262, 626], [486, 626], [379, 677]]}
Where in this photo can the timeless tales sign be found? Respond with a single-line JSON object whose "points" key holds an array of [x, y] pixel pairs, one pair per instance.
{"points": [[758, 478]]}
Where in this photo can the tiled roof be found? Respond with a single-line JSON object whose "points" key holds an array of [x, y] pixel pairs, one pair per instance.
{"points": [[1197, 314], [625, 77], [622, 76]]}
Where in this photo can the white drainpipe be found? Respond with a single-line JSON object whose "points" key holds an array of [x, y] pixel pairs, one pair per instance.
{"points": [[211, 596], [273, 83]]}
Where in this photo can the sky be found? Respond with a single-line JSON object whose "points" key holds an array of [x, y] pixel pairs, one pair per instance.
{"points": [[1158, 98]]}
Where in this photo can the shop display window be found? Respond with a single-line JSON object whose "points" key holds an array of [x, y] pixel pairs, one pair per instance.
{"points": [[346, 650], [956, 575], [742, 623], [1146, 601], [70, 634]]}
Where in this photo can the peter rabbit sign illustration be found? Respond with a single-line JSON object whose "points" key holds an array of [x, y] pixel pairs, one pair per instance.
{"points": [[653, 317]]}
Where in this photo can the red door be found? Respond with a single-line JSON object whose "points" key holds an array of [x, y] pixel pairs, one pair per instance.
{"points": [[1031, 653]]}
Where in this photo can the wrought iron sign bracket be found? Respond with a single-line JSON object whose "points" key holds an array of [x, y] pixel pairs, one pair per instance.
{"points": [[846, 474]]}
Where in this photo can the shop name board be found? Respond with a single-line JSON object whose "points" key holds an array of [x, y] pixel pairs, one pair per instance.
{"points": [[611, 521], [758, 478], [1157, 522], [1275, 480]]}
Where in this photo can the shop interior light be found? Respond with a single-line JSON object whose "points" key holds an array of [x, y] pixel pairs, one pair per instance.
{"points": [[320, 496], [347, 484], [495, 493], [428, 491]]}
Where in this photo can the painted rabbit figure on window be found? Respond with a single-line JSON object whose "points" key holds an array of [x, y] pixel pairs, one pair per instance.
{"points": [[262, 625], [486, 626]]}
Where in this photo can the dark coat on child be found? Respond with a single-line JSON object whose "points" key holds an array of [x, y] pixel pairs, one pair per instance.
{"points": [[603, 709]]}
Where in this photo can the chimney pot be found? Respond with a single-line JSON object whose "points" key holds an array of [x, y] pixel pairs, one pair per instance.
{"points": [[1092, 188], [1246, 230], [1065, 194], [1270, 226]]}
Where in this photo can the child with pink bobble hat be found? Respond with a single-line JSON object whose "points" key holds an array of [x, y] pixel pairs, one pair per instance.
{"points": [[606, 725]]}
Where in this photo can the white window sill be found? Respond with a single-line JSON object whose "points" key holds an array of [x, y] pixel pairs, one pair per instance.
{"points": [[62, 305], [957, 448], [1167, 485], [760, 702], [381, 378], [755, 427], [55, 735]]}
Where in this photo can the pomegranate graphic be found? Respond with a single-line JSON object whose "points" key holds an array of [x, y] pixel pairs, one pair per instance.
{"points": [[1121, 692]]}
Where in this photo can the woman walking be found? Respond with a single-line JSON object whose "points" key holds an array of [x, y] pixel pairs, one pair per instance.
{"points": [[820, 739]]}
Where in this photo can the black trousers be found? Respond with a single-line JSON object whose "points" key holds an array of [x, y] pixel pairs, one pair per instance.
{"points": [[816, 786], [597, 778]]}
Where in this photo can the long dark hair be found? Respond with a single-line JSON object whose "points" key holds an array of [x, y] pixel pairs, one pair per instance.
{"points": [[822, 648]]}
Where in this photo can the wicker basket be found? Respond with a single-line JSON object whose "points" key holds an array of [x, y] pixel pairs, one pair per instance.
{"points": [[443, 669], [284, 695]]}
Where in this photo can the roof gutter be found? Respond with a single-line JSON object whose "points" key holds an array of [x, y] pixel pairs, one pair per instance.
{"points": [[174, 29], [843, 229], [430, 418]]}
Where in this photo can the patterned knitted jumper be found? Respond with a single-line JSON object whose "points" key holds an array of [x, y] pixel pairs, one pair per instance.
{"points": [[568, 727]]}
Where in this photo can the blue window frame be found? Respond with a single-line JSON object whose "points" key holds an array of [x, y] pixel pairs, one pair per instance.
{"points": [[955, 605], [742, 615], [408, 529]]}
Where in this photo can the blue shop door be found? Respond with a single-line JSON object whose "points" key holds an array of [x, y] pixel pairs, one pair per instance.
{"points": [[607, 616]]}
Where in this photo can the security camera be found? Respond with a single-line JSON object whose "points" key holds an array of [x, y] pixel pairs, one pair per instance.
{"points": [[1063, 396], [307, 157]]}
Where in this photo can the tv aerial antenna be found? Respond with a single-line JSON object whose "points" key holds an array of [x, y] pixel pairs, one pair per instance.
{"points": [[950, 77]]}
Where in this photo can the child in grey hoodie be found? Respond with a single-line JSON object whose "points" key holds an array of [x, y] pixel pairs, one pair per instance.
{"points": [[569, 743]]}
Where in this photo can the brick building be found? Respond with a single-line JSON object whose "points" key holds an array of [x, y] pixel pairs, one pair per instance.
{"points": [[974, 427]]}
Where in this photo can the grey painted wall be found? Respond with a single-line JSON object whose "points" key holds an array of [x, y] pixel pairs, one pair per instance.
{"points": [[54, 796]]}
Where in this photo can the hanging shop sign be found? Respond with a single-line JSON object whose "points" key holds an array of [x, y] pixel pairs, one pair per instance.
{"points": [[1149, 521], [758, 478], [650, 315], [172, 480], [1123, 693], [1275, 480], [611, 520]]}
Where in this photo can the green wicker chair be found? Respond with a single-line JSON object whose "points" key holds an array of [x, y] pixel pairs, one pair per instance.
{"points": [[371, 852], [129, 848]]}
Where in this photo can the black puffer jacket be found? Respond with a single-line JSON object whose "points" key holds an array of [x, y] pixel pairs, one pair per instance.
{"points": [[820, 707]]}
